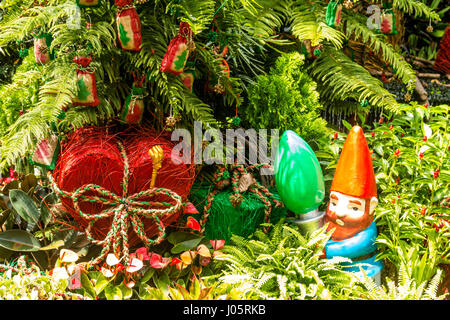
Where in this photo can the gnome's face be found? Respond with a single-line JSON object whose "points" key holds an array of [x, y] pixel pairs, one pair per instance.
{"points": [[349, 215]]}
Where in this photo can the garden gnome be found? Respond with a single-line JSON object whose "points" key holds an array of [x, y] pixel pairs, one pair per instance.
{"points": [[353, 198]]}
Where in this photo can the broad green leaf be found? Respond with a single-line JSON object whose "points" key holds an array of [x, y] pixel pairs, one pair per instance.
{"points": [[180, 236], [100, 281], [186, 245], [54, 245], [162, 281], [46, 215], [24, 206], [113, 292], [28, 182], [10, 186], [87, 285], [19, 240], [127, 293], [148, 275]]}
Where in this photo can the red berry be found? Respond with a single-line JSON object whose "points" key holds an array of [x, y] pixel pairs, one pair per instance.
{"points": [[373, 134], [21, 112], [426, 105], [402, 134], [423, 210], [436, 173], [393, 200], [391, 127], [398, 196], [335, 135], [381, 120], [424, 138], [421, 155], [397, 153]]}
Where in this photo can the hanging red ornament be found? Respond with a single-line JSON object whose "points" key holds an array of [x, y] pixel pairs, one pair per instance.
{"points": [[46, 153], [128, 25], [87, 84], [178, 51], [42, 42], [134, 105]]}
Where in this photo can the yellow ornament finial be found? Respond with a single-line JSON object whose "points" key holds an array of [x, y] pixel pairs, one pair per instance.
{"points": [[157, 155]]}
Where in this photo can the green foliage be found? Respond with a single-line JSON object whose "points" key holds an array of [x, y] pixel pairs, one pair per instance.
{"points": [[286, 98], [33, 287], [285, 265], [20, 94], [408, 287]]}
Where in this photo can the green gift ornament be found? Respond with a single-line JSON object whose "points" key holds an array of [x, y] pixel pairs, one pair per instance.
{"points": [[298, 175]]}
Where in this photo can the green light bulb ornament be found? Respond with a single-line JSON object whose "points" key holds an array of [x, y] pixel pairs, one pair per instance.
{"points": [[299, 180]]}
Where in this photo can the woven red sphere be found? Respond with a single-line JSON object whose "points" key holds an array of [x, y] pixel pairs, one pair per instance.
{"points": [[92, 156]]}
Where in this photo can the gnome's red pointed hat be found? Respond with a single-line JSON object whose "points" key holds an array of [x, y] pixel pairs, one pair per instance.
{"points": [[354, 174]]}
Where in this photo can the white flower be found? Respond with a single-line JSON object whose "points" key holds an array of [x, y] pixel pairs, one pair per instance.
{"points": [[106, 272], [111, 260], [17, 279], [135, 265], [423, 149], [34, 295], [60, 274], [67, 256]]}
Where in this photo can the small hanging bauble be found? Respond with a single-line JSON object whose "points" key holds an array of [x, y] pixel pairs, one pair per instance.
{"points": [[407, 97], [178, 51], [140, 1], [364, 103], [128, 25], [430, 28], [348, 4], [236, 121], [171, 121], [134, 106], [87, 84]]}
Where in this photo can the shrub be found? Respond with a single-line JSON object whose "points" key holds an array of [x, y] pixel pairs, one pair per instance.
{"points": [[286, 98]]}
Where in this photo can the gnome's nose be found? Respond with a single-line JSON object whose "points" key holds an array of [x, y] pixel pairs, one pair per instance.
{"points": [[340, 214]]}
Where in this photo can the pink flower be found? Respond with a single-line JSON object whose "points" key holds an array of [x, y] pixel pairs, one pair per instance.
{"points": [[217, 244], [193, 224], [158, 262], [142, 254], [189, 208], [204, 261]]}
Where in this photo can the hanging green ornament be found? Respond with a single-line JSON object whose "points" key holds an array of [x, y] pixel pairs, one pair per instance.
{"points": [[23, 53], [333, 13], [317, 52], [46, 153], [236, 121], [364, 103], [298, 175], [387, 20], [134, 106]]}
